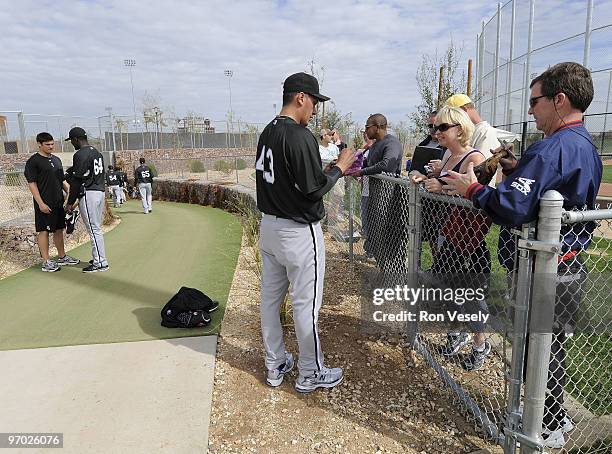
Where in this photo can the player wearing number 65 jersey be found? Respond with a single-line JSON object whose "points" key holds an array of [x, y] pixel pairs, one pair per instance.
{"points": [[290, 187], [143, 177], [88, 168]]}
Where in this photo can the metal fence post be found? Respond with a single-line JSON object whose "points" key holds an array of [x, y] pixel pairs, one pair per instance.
{"points": [[349, 189], [22, 133], [587, 34], [508, 115], [519, 335], [414, 248], [477, 69], [605, 124], [496, 57], [414, 216], [236, 168], [481, 65], [541, 314], [525, 108], [523, 137]]}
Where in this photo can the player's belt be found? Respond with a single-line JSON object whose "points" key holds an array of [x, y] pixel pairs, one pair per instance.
{"points": [[273, 216]]}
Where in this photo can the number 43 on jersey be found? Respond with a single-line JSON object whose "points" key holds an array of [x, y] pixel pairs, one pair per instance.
{"points": [[265, 163]]}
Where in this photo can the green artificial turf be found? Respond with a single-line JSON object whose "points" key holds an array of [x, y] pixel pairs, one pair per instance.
{"points": [[150, 256], [607, 174]]}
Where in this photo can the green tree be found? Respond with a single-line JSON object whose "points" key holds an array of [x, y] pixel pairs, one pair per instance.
{"points": [[402, 131], [252, 132], [334, 119], [358, 141], [427, 79]]}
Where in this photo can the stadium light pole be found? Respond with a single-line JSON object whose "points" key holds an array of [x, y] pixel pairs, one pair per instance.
{"points": [[229, 73], [130, 63]]}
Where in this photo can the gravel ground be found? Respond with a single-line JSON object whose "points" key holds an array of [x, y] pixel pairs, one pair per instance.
{"points": [[390, 401]]}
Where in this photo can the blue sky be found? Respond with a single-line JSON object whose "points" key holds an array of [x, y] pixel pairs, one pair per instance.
{"points": [[66, 57]]}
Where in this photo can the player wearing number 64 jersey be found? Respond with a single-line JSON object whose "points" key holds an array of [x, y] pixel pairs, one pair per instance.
{"points": [[290, 189], [88, 168]]}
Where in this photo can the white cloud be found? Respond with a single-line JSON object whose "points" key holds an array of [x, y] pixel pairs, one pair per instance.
{"points": [[67, 56]]}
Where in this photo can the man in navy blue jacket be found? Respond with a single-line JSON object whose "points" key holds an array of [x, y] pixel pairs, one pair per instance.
{"points": [[567, 161]]}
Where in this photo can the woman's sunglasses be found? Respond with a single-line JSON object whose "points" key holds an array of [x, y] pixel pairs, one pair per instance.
{"points": [[444, 127]]}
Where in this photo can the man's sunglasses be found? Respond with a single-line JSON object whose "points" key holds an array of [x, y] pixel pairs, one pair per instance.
{"points": [[444, 127], [533, 101]]}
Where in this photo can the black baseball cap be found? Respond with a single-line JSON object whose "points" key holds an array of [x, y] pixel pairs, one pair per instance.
{"points": [[306, 83], [76, 133]]}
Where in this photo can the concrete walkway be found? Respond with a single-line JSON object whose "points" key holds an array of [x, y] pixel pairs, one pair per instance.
{"points": [[136, 397]]}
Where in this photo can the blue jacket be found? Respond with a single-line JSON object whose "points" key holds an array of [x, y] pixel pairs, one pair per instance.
{"points": [[567, 162]]}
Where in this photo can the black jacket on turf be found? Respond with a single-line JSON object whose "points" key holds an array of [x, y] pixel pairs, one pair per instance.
{"points": [[188, 308], [143, 174], [88, 169], [48, 175], [290, 179]]}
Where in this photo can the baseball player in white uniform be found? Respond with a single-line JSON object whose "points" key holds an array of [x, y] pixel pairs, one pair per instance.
{"points": [[143, 177]]}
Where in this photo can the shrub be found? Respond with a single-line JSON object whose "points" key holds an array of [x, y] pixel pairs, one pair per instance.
{"points": [[241, 164], [153, 169], [223, 166], [197, 167]]}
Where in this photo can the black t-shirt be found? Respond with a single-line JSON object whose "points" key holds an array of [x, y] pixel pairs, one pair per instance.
{"points": [[48, 174], [290, 178], [143, 174], [88, 168], [113, 178]]}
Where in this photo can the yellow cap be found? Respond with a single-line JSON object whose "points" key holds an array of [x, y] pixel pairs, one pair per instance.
{"points": [[458, 100]]}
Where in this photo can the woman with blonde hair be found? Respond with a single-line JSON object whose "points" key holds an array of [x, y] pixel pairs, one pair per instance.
{"points": [[462, 259], [453, 129]]}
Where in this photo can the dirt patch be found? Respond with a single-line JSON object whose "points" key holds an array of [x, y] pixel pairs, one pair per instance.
{"points": [[389, 402]]}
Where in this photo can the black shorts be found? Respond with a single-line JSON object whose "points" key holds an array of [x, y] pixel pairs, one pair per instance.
{"points": [[56, 220]]}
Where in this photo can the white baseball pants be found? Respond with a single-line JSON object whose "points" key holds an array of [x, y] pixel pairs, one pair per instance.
{"points": [[292, 253], [92, 212], [116, 193], [146, 196]]}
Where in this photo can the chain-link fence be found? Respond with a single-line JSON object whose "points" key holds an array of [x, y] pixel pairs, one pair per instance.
{"points": [[595, 124], [15, 197], [217, 169], [492, 359], [18, 131], [579, 391], [110, 132], [125, 133], [524, 38]]}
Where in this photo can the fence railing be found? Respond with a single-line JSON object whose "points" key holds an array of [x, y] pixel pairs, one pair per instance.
{"points": [[602, 138], [417, 240]]}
